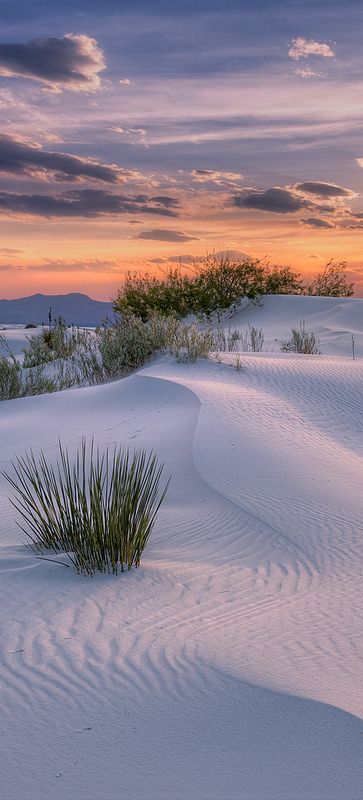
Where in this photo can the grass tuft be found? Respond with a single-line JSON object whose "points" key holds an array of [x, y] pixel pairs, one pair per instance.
{"points": [[99, 509]]}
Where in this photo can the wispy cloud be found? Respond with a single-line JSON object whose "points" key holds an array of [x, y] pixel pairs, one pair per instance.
{"points": [[74, 61], [308, 73], [163, 235], [317, 222], [215, 176], [303, 48], [11, 251]]}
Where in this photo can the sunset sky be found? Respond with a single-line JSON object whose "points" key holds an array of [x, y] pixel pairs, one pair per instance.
{"points": [[135, 133]]}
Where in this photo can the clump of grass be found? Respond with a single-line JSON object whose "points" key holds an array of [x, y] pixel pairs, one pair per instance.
{"points": [[100, 509], [256, 338], [302, 341]]}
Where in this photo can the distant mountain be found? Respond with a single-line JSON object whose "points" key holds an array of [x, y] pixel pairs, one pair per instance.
{"points": [[77, 309]]}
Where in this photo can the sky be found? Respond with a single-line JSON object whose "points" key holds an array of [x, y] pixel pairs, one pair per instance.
{"points": [[138, 134]]}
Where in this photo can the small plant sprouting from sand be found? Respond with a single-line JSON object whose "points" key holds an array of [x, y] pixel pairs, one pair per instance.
{"points": [[100, 509], [302, 341]]}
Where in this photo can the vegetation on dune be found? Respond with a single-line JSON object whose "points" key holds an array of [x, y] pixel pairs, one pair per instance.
{"points": [[100, 509], [331, 282], [221, 282], [301, 341], [150, 318]]}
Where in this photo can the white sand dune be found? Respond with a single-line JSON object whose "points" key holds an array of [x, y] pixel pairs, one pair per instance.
{"points": [[228, 667], [333, 320]]}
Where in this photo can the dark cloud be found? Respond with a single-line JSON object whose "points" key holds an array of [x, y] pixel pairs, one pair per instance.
{"points": [[22, 158], [10, 251], [83, 203], [317, 222], [162, 235], [168, 202], [73, 62], [322, 189], [277, 200]]}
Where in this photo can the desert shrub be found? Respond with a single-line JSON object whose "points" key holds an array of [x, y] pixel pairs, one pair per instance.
{"points": [[302, 341], [256, 338], [125, 346], [10, 373], [227, 340], [222, 281], [100, 509], [215, 284], [36, 381], [143, 296], [332, 281], [10, 379], [219, 282], [282, 280], [234, 340], [55, 343], [191, 343]]}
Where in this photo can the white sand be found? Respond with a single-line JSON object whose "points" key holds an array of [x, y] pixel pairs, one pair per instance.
{"points": [[228, 667]]}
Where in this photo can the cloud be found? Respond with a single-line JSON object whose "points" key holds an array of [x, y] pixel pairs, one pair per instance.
{"points": [[277, 200], [322, 189], [290, 199], [58, 265], [215, 176], [303, 48], [307, 72], [163, 235], [317, 222], [359, 162], [10, 251], [71, 62], [87, 203], [125, 82], [21, 157]]}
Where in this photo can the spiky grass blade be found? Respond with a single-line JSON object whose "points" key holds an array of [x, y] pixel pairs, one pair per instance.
{"points": [[100, 509]]}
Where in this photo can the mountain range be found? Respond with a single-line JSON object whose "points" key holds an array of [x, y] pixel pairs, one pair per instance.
{"points": [[74, 308]]}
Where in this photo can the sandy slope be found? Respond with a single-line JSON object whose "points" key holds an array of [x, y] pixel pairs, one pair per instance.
{"points": [[230, 665], [333, 320]]}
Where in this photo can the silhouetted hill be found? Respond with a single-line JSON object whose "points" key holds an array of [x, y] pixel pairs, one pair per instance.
{"points": [[75, 308]]}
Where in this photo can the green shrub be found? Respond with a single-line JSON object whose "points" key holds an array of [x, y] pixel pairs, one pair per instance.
{"points": [[282, 280], [191, 343], [55, 343], [332, 281], [10, 379], [100, 510], [125, 346], [10, 373], [217, 282]]}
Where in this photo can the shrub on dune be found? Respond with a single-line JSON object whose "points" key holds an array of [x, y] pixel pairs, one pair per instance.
{"points": [[100, 509], [302, 341]]}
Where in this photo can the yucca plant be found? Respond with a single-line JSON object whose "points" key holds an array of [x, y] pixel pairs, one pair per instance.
{"points": [[100, 509]]}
